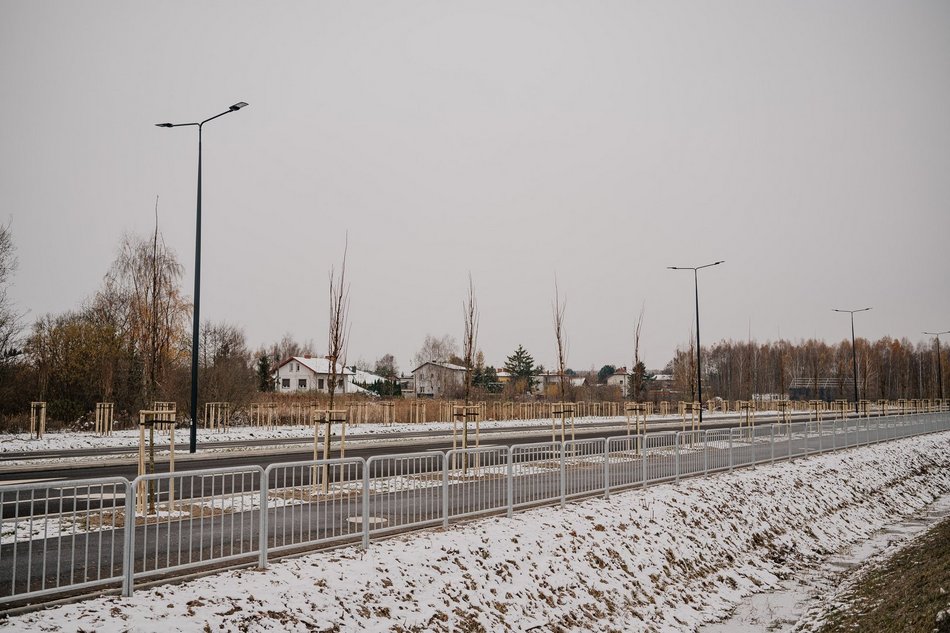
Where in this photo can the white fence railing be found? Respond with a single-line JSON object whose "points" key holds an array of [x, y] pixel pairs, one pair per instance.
{"points": [[65, 537]]}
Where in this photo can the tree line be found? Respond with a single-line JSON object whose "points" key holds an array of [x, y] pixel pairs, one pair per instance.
{"points": [[888, 368], [129, 343]]}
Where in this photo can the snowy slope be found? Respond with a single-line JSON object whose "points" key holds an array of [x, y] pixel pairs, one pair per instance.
{"points": [[664, 559]]}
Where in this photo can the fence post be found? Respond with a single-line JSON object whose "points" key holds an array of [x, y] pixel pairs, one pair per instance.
{"points": [[445, 490], [606, 468], [643, 462], [263, 529], [706, 452], [563, 475], [676, 462], [772, 443], [366, 504], [511, 481], [730, 450], [128, 555], [788, 442]]}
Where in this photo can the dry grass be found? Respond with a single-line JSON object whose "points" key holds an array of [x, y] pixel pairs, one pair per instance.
{"points": [[903, 594]]}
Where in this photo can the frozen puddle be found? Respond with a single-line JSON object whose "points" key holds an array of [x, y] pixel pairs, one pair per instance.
{"points": [[782, 609]]}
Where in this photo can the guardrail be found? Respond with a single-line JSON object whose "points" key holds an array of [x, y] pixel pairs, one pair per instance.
{"points": [[67, 537]]}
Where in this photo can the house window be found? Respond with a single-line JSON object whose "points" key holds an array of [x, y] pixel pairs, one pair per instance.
{"points": [[285, 383], [319, 383], [302, 383]]}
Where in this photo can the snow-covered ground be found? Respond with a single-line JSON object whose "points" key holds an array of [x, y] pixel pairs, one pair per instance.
{"points": [[800, 603], [667, 558]]}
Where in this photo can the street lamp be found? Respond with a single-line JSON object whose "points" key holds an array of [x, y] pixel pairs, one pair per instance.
{"points": [[939, 361], [699, 369], [854, 355], [193, 440]]}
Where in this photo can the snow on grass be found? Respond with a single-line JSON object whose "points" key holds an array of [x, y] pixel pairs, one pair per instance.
{"points": [[663, 559]]}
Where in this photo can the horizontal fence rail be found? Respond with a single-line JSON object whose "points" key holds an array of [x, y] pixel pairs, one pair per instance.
{"points": [[67, 537]]}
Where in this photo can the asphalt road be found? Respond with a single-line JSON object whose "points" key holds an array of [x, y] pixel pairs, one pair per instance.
{"points": [[396, 443]]}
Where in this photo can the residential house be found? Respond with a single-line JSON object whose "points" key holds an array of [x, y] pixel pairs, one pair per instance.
{"points": [[436, 379], [620, 378], [310, 373]]}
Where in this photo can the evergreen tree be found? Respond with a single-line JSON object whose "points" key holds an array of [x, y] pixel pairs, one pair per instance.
{"points": [[264, 381], [521, 367], [490, 379], [605, 372], [639, 379]]}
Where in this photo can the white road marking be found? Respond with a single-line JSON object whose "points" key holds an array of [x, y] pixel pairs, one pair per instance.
{"points": [[13, 482]]}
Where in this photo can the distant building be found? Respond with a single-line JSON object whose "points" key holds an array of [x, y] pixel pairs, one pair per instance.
{"points": [[661, 387], [309, 373], [545, 381], [407, 386], [438, 380], [827, 389], [620, 378]]}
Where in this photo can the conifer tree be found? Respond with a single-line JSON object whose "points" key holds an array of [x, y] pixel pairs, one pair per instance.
{"points": [[521, 367]]}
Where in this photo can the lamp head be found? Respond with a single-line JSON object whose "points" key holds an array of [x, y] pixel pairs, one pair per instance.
{"points": [[237, 106], [164, 125]]}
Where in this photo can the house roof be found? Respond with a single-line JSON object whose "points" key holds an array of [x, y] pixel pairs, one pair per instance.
{"points": [[316, 364], [449, 366], [367, 377]]}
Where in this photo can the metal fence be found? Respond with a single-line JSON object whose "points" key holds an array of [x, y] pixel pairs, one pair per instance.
{"points": [[61, 538]]}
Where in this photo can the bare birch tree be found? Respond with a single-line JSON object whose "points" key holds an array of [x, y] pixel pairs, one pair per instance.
{"points": [[144, 281]]}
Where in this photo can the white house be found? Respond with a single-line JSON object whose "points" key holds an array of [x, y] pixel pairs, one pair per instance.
{"points": [[310, 373], [620, 378], [438, 380]]}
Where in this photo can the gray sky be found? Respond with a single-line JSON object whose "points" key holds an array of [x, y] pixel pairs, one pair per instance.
{"points": [[806, 143]]}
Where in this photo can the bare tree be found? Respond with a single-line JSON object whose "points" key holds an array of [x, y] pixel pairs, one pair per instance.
{"points": [[558, 309], [338, 332], [338, 326], [639, 370], [9, 319], [470, 341], [440, 350], [144, 281]]}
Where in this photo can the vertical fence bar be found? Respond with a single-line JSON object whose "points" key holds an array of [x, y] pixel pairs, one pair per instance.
{"points": [[772, 443], [563, 475]]}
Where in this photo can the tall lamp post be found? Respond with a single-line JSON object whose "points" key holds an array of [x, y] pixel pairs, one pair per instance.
{"points": [[193, 440], [854, 355], [939, 362], [699, 369]]}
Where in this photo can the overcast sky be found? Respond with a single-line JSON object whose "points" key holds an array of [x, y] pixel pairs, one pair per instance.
{"points": [[805, 143]]}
